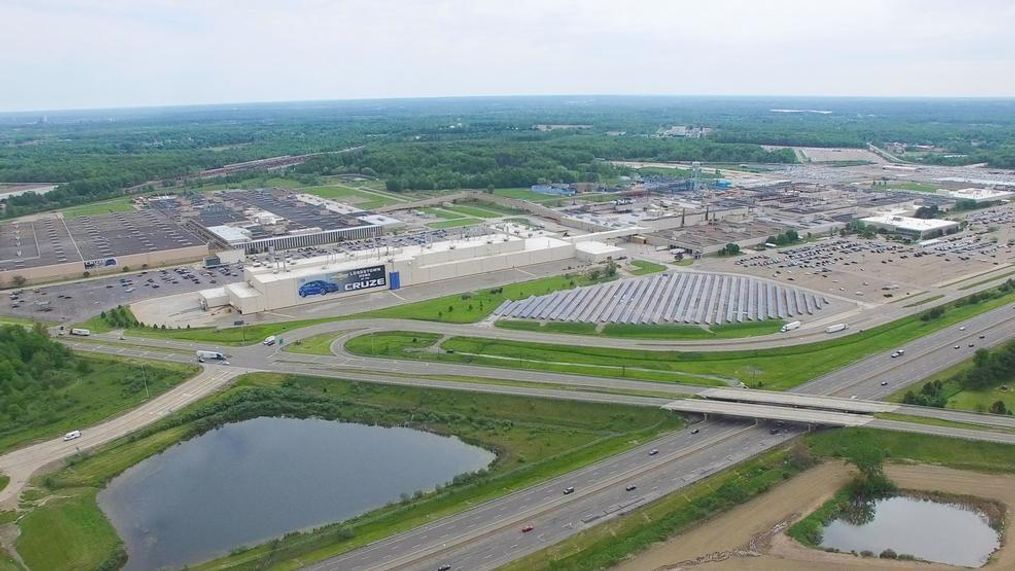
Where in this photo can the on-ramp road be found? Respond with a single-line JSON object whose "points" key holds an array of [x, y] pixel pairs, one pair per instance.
{"points": [[20, 464]]}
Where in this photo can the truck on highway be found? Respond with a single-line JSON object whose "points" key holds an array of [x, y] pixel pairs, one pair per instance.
{"points": [[213, 355], [790, 326], [81, 332], [836, 328]]}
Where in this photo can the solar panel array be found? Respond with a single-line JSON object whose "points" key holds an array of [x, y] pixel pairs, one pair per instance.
{"points": [[686, 297]]}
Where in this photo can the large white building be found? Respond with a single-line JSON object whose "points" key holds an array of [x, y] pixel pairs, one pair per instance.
{"points": [[915, 228], [330, 277], [981, 195]]}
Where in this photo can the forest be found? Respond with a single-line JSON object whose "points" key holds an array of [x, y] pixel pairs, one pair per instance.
{"points": [[471, 142]]}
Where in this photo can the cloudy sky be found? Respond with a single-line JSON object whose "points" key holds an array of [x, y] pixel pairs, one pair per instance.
{"points": [[61, 54]]}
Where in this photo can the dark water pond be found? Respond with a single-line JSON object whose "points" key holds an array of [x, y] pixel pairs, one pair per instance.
{"points": [[929, 530], [254, 480]]}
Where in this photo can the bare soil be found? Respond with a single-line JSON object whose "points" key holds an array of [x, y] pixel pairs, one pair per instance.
{"points": [[751, 536]]}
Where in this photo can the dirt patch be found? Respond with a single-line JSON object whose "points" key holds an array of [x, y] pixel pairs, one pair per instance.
{"points": [[751, 535]]}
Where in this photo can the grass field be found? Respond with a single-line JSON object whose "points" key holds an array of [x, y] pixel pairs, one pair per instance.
{"points": [[642, 267], [647, 331], [99, 208], [472, 307], [959, 399], [4, 480], [111, 386], [455, 223], [535, 439], [913, 186], [68, 532], [243, 335], [776, 369], [524, 194], [474, 211], [442, 213]]}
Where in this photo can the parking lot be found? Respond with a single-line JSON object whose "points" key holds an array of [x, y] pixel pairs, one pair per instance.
{"points": [[72, 302], [873, 271]]}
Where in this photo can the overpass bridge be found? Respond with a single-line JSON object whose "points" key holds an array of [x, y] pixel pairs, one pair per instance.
{"points": [[783, 407]]}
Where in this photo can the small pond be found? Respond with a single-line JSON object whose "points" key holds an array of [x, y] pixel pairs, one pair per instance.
{"points": [[934, 531], [250, 481]]}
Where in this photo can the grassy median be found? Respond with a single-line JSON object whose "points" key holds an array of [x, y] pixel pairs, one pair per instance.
{"points": [[535, 440]]}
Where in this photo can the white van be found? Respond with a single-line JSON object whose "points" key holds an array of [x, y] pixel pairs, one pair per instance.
{"points": [[270, 340], [72, 435]]}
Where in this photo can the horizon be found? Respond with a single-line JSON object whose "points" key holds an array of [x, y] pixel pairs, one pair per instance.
{"points": [[296, 102], [125, 55]]}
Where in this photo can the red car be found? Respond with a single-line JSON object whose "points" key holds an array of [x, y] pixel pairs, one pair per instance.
{"points": [[527, 528]]}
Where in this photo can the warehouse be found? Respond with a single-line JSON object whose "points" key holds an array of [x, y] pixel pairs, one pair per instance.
{"points": [[52, 247], [914, 228], [981, 196], [325, 278]]}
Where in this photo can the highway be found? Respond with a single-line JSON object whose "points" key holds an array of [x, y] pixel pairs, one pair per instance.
{"points": [[494, 535]]}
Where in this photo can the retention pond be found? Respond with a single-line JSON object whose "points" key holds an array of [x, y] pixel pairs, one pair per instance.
{"points": [[934, 531], [250, 481]]}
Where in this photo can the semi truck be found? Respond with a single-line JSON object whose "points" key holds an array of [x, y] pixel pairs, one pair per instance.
{"points": [[790, 326], [213, 355], [81, 332], [836, 328]]}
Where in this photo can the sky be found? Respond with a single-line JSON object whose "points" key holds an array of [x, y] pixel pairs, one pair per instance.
{"points": [[75, 54]]}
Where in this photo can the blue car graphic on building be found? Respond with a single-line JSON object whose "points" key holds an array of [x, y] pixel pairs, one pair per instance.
{"points": [[317, 287]]}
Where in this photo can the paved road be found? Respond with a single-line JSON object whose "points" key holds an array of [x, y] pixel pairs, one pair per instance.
{"points": [[22, 463]]}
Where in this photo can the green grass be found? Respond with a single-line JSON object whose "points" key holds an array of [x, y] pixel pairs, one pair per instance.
{"points": [[642, 267], [68, 532], [319, 344], [535, 439], [110, 387], [14, 320], [473, 307], [442, 213], [686, 262], [99, 208], [914, 186], [391, 343], [474, 211], [242, 335], [564, 327], [906, 447], [457, 223], [959, 399], [4, 480], [524, 194], [775, 369], [646, 331]]}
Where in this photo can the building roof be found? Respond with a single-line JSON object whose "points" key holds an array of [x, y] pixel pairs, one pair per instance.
{"points": [[981, 194], [909, 223]]}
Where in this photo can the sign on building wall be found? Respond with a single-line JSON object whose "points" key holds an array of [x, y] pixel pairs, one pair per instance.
{"points": [[343, 282], [103, 263]]}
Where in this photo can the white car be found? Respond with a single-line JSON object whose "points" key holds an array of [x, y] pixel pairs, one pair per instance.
{"points": [[72, 435]]}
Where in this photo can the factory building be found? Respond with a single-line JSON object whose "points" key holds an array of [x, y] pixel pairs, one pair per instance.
{"points": [[981, 196], [329, 277], [914, 228]]}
